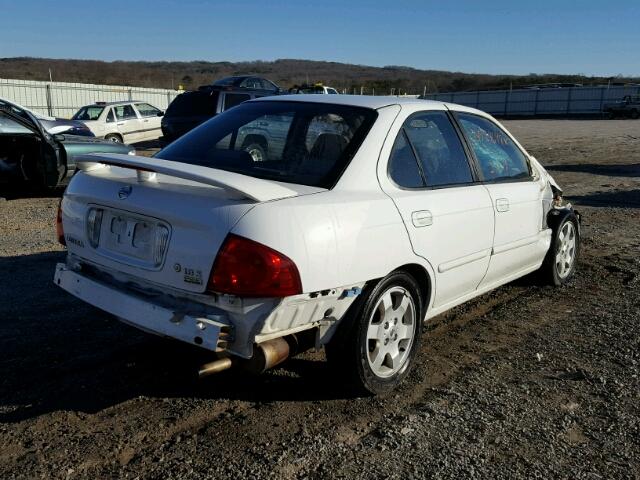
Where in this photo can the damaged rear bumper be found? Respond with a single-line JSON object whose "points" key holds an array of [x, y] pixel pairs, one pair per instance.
{"points": [[205, 331]]}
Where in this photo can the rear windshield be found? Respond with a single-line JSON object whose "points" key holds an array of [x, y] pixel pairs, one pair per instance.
{"points": [[294, 142], [91, 112], [193, 104]]}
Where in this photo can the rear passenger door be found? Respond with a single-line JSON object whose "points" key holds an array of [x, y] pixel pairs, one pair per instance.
{"points": [[448, 215], [519, 241]]}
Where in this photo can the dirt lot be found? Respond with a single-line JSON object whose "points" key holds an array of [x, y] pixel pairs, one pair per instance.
{"points": [[526, 381]]}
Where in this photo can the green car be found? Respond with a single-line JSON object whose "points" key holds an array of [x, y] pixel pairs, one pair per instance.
{"points": [[31, 154]]}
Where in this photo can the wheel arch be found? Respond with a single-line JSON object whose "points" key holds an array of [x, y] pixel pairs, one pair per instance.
{"points": [[424, 281], [256, 138], [115, 134]]}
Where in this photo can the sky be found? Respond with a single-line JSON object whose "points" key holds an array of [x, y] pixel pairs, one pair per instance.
{"points": [[500, 37]]}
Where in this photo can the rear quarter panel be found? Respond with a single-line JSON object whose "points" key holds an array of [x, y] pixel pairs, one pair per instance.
{"points": [[334, 238]]}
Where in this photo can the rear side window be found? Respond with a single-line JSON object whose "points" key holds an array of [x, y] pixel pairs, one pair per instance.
{"points": [[403, 165], [497, 154], [233, 99], [440, 154], [193, 104]]}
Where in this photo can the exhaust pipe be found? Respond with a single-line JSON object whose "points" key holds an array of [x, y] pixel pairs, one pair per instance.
{"points": [[215, 367], [266, 355]]}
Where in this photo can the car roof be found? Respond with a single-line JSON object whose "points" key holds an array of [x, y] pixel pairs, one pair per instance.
{"points": [[367, 101], [109, 104]]}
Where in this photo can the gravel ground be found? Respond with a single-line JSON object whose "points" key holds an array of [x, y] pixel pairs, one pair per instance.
{"points": [[524, 382]]}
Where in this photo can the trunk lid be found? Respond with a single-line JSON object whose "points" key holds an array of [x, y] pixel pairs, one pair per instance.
{"points": [[158, 220]]}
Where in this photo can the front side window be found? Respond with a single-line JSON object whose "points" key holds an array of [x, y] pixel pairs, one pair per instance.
{"points": [[295, 142], [439, 149], [233, 99], [110, 117], [125, 112], [147, 110], [498, 156]]}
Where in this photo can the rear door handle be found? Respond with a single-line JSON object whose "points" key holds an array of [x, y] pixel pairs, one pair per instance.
{"points": [[502, 205], [421, 218], [120, 124]]}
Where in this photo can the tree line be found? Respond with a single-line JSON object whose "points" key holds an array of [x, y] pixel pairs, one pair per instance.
{"points": [[349, 78]]}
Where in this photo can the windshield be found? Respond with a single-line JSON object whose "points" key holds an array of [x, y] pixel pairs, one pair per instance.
{"points": [[294, 142], [92, 112]]}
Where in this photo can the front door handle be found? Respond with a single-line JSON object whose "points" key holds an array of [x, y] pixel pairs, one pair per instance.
{"points": [[421, 218], [502, 205]]}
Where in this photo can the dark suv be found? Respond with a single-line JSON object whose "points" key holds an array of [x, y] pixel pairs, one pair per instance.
{"points": [[190, 109]]}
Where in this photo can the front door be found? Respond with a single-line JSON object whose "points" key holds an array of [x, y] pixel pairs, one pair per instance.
{"points": [[519, 242], [150, 119], [448, 215]]}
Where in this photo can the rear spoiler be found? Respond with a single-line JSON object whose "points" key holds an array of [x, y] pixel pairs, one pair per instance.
{"points": [[255, 189]]}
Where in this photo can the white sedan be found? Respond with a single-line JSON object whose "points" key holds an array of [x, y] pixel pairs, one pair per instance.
{"points": [[363, 218], [122, 122]]}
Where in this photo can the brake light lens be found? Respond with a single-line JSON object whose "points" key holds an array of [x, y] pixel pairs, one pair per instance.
{"points": [[59, 227], [249, 269]]}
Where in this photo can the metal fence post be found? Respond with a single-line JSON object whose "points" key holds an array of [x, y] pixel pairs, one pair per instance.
{"points": [[602, 99], [506, 102], [130, 95], [569, 100], [49, 99]]}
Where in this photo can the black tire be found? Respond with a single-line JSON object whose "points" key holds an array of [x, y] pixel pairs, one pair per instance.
{"points": [[350, 351], [551, 271], [257, 151], [634, 114], [114, 137]]}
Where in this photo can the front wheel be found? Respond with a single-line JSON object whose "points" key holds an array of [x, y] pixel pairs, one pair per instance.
{"points": [[377, 345], [560, 263]]}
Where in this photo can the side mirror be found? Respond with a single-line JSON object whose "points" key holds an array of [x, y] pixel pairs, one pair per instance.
{"points": [[160, 114], [59, 137]]}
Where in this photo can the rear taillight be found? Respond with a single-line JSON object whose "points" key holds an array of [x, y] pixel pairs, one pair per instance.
{"points": [[249, 269], [94, 222], [160, 244], [59, 227]]}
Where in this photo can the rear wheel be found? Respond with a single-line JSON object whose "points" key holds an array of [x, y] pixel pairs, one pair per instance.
{"points": [[114, 137], [376, 347]]}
